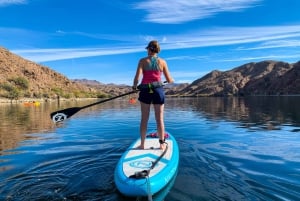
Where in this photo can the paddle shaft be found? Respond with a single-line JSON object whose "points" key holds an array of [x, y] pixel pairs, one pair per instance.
{"points": [[102, 101], [61, 115]]}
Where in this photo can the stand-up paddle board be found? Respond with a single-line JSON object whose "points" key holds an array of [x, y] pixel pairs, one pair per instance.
{"points": [[144, 172]]}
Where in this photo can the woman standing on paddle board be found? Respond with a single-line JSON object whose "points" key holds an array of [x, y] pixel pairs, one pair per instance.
{"points": [[151, 90]]}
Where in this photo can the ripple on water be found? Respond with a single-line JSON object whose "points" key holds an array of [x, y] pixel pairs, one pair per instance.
{"points": [[64, 169], [221, 157]]}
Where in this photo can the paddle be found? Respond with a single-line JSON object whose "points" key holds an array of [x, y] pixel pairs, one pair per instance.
{"points": [[62, 115]]}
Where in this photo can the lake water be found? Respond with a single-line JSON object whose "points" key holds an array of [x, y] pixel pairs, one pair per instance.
{"points": [[230, 149]]}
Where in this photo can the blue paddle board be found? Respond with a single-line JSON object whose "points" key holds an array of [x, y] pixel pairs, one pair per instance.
{"points": [[144, 172]]}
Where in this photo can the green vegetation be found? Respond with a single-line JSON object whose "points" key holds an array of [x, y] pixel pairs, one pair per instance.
{"points": [[9, 91], [18, 87], [15, 88], [77, 94], [20, 82]]}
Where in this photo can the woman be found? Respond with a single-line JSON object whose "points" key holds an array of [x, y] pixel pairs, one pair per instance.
{"points": [[151, 90]]}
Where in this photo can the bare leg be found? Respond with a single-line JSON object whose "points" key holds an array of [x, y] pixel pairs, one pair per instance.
{"points": [[145, 112], [159, 117]]}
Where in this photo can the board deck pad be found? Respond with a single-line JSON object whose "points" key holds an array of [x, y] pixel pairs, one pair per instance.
{"points": [[160, 166], [142, 159]]}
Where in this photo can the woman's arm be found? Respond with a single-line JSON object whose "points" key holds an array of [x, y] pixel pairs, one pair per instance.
{"points": [[138, 73], [167, 73]]}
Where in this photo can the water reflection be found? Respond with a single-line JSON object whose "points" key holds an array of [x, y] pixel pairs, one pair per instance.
{"points": [[18, 120], [267, 113], [219, 158], [262, 112]]}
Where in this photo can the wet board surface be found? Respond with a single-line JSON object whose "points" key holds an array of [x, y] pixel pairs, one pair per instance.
{"points": [[136, 160]]}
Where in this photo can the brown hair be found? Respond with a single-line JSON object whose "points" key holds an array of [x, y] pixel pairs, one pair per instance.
{"points": [[153, 46]]}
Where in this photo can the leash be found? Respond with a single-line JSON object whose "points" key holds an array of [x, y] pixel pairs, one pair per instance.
{"points": [[145, 173]]}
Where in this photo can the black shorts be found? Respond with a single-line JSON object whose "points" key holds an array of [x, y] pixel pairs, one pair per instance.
{"points": [[156, 97]]}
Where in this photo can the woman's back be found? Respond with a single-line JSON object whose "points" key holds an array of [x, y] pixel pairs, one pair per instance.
{"points": [[151, 70]]}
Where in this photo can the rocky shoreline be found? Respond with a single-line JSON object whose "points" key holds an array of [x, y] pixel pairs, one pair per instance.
{"points": [[41, 100]]}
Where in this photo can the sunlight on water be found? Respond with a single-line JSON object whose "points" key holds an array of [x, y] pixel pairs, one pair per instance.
{"points": [[231, 149]]}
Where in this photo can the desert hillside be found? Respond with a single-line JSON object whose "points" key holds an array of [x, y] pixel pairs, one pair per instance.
{"points": [[262, 78], [20, 78]]}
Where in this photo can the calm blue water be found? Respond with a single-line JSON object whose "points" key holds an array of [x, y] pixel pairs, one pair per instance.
{"points": [[230, 149]]}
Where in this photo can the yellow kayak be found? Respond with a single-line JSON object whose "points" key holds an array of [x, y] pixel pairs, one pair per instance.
{"points": [[33, 103]]}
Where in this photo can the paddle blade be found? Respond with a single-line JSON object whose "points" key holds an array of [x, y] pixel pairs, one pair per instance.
{"points": [[62, 115]]}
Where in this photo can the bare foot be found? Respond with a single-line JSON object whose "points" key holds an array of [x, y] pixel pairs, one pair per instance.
{"points": [[141, 147], [162, 146]]}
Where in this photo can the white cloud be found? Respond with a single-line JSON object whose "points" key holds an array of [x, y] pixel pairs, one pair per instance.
{"points": [[44, 55], [12, 2], [265, 57], [274, 44], [196, 39], [231, 36], [179, 11]]}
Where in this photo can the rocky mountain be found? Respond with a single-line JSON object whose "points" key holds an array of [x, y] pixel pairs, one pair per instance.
{"points": [[173, 89], [21, 78], [262, 78], [111, 89]]}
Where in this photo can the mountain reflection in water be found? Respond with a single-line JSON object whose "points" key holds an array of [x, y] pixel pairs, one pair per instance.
{"points": [[232, 148]]}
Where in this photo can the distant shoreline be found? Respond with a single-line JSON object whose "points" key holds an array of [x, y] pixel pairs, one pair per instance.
{"points": [[53, 100], [42, 100]]}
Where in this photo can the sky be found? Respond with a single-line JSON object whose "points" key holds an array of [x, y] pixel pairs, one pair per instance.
{"points": [[103, 40]]}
